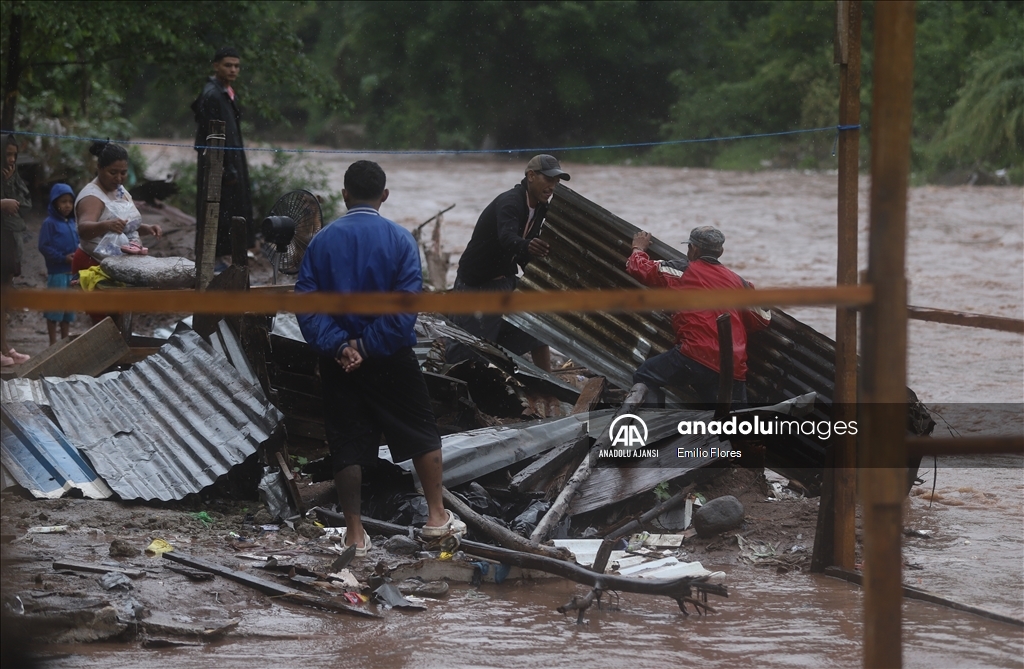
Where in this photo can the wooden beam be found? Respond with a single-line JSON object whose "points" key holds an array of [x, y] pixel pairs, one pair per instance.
{"points": [[883, 383], [271, 302], [268, 587], [843, 471], [922, 446], [967, 319], [208, 211], [94, 351], [924, 596]]}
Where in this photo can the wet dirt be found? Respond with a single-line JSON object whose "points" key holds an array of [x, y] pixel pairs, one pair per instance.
{"points": [[965, 251]]}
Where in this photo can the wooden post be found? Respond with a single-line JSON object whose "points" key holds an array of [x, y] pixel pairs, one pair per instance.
{"points": [[883, 417], [835, 539], [208, 213], [239, 254]]}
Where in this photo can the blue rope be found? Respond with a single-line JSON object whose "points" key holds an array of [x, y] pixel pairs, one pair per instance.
{"points": [[447, 152]]}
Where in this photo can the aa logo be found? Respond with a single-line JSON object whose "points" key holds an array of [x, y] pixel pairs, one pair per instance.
{"points": [[628, 434]]}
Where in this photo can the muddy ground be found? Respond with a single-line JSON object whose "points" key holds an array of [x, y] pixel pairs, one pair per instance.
{"points": [[158, 606]]}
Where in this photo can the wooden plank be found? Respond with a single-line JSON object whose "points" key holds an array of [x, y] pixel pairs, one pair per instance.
{"points": [[267, 587], [834, 538], [289, 482], [235, 279], [208, 212], [268, 302], [967, 319], [883, 383], [94, 351], [590, 396], [922, 446], [540, 470], [96, 568], [925, 596]]}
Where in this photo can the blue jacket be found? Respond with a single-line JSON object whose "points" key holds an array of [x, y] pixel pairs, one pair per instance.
{"points": [[59, 236], [360, 252]]}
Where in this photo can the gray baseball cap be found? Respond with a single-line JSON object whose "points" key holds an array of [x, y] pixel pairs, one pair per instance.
{"points": [[708, 238], [548, 166]]}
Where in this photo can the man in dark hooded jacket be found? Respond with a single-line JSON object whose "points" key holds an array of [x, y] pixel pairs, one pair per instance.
{"points": [[219, 102]]}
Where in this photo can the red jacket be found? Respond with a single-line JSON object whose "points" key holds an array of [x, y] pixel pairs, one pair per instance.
{"points": [[697, 331]]}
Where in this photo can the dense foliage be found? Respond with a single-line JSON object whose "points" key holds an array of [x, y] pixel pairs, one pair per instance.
{"points": [[460, 75]]}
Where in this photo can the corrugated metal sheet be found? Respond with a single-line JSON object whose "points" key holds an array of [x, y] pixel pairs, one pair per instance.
{"points": [[37, 455], [589, 248], [168, 427], [472, 454]]}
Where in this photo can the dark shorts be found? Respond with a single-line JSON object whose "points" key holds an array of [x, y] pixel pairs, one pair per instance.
{"points": [[493, 327], [672, 368], [385, 395]]}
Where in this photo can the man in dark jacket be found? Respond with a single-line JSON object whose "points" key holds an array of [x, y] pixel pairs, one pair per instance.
{"points": [[506, 237], [218, 102]]}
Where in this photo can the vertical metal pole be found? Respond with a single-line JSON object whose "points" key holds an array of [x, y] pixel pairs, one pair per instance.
{"points": [[883, 417], [845, 396], [208, 213]]}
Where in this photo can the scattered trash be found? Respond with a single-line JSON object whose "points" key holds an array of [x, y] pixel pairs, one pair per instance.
{"points": [[48, 529], [924, 534], [112, 580], [158, 547], [389, 595], [203, 517]]}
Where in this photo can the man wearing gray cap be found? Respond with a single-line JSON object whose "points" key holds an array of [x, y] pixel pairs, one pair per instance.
{"points": [[506, 237], [695, 361]]}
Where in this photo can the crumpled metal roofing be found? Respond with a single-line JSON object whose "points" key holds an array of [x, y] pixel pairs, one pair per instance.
{"points": [[472, 454], [37, 455], [169, 426]]}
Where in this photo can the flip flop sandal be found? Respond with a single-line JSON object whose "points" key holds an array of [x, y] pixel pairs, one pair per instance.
{"points": [[453, 525], [361, 551]]}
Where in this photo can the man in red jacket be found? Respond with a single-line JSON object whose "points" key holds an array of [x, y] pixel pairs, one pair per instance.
{"points": [[695, 361]]}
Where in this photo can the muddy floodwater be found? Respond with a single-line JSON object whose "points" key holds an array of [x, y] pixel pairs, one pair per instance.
{"points": [[965, 251]]}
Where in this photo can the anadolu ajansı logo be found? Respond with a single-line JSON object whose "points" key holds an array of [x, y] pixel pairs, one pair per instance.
{"points": [[628, 435]]}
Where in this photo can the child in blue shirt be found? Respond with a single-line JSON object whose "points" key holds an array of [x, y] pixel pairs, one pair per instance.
{"points": [[58, 240]]}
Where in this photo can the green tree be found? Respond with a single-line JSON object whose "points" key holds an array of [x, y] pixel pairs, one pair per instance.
{"points": [[71, 65]]}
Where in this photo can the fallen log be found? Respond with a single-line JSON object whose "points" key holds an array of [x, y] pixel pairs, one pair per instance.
{"points": [[673, 588], [561, 504], [268, 587], [503, 536]]}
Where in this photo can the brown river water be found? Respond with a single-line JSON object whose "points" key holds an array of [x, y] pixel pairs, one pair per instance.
{"points": [[965, 251]]}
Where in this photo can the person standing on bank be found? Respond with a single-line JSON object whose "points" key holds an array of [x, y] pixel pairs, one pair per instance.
{"points": [[219, 102], [506, 237], [371, 380], [695, 361], [15, 204]]}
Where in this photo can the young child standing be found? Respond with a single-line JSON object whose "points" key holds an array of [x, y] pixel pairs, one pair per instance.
{"points": [[58, 240]]}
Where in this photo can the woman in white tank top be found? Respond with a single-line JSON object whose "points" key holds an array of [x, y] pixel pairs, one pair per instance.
{"points": [[96, 205]]}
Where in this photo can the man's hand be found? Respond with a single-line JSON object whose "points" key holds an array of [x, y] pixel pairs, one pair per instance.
{"points": [[538, 248], [642, 240], [350, 358], [9, 205]]}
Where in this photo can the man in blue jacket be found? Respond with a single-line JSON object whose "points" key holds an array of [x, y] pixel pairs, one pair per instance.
{"points": [[371, 379]]}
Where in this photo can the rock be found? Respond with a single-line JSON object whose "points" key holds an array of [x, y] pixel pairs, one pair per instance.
{"points": [[308, 530], [121, 548], [401, 545], [717, 516], [150, 271]]}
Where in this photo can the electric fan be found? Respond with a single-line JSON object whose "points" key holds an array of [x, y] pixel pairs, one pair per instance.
{"points": [[288, 229]]}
